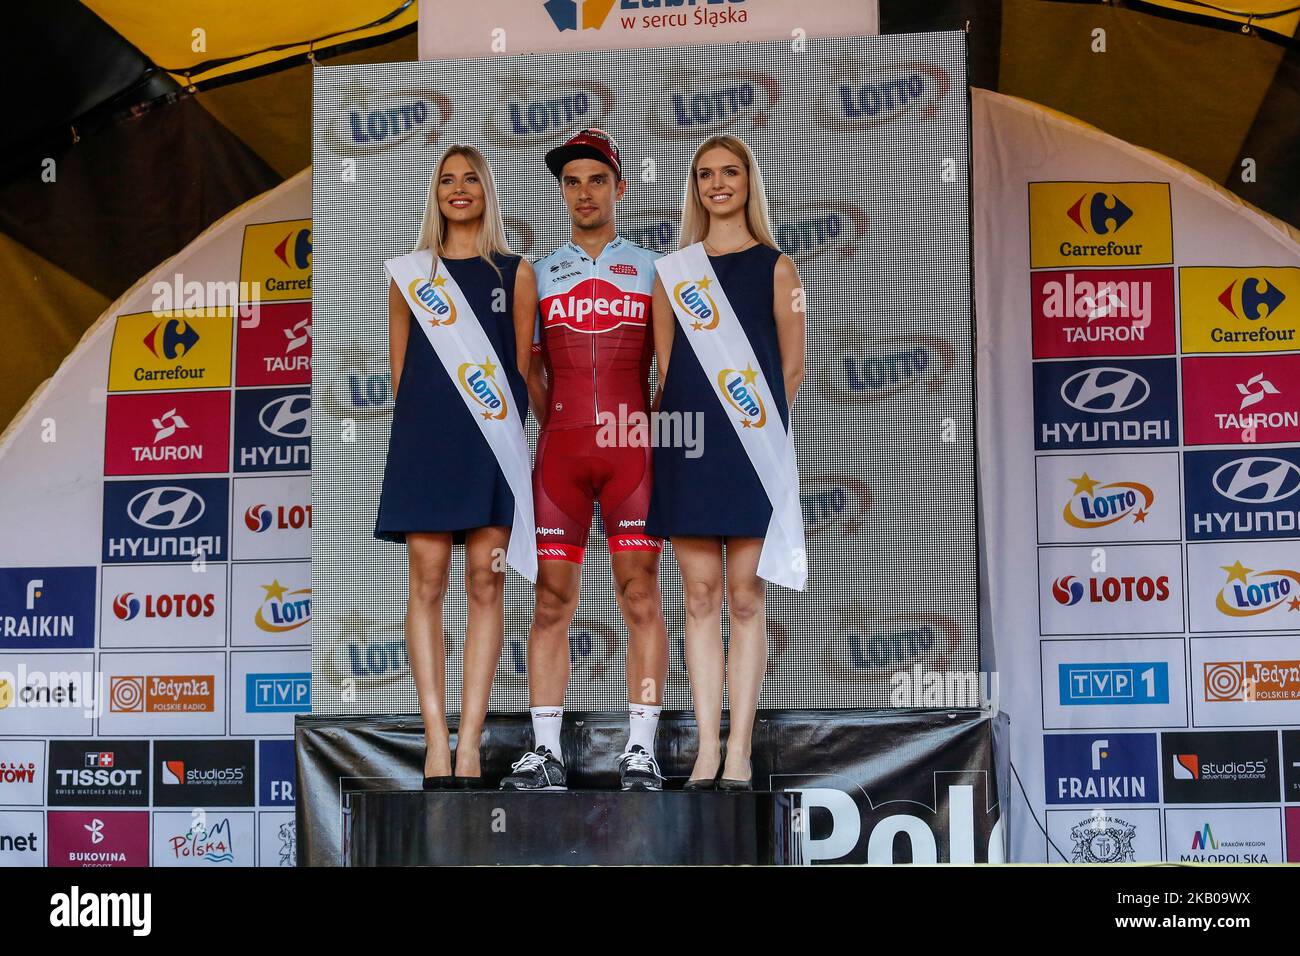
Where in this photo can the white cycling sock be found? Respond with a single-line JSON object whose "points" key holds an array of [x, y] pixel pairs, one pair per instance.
{"points": [[644, 721], [546, 729]]}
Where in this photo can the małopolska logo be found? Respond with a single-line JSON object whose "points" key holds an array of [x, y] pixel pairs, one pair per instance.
{"points": [[739, 389], [283, 609], [1235, 495], [272, 430], [867, 369], [478, 381], [368, 121], [152, 521], [530, 113], [47, 607], [1096, 505], [697, 104], [439, 307], [857, 96], [1105, 404], [1249, 592]]}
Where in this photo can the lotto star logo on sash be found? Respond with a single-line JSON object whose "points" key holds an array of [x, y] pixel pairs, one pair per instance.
{"points": [[479, 380], [429, 294], [693, 296], [740, 391]]}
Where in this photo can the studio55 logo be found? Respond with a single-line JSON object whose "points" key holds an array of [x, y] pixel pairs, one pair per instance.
{"points": [[1105, 404]]}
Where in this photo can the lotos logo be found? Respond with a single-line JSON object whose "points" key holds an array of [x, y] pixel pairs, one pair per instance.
{"points": [[478, 380], [367, 122], [694, 299], [1094, 505], [126, 606], [1104, 390], [869, 369], [696, 105], [430, 297], [1248, 592], [1111, 589], [283, 610], [740, 390], [1099, 213], [171, 339], [1251, 298], [857, 97], [834, 502], [258, 518], [806, 231], [288, 416], [1256, 481], [262, 517], [530, 113], [166, 508], [294, 250]]}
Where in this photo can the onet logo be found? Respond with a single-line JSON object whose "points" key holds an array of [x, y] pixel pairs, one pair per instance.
{"points": [[578, 14]]}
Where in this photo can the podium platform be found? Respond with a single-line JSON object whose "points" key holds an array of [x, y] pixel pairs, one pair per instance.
{"points": [[574, 827]]}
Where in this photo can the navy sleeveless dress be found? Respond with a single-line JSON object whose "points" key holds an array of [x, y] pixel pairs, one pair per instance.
{"points": [[719, 493], [441, 474]]}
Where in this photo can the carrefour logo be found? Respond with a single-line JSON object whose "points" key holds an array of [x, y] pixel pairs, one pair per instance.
{"points": [[1096, 505], [1251, 298], [478, 381], [739, 389], [529, 113], [166, 508], [1249, 592], [171, 339], [692, 297], [1099, 213], [294, 250]]}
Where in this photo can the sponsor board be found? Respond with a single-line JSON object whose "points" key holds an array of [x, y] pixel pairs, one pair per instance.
{"points": [[276, 765], [1239, 309], [22, 838], [172, 605], [1102, 312], [1103, 835], [1223, 835], [1117, 682], [47, 608], [270, 604], [54, 693], [1107, 498], [1105, 403], [1245, 681], [277, 843], [1291, 766], [22, 773], [1139, 592], [272, 430], [271, 518], [276, 260], [165, 520], [167, 433], [1099, 224], [164, 352], [1244, 586], [1245, 493], [1251, 400], [98, 838], [1101, 769], [1293, 834], [1220, 766]]}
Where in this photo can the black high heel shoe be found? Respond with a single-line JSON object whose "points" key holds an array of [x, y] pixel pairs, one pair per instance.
{"points": [[735, 786], [439, 783], [709, 783], [467, 783]]}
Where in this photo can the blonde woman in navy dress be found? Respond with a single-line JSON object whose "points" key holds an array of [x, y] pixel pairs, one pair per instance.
{"points": [[442, 484], [714, 507]]}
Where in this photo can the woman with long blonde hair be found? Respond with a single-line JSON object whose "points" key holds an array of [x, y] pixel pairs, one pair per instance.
{"points": [[714, 506], [442, 483]]}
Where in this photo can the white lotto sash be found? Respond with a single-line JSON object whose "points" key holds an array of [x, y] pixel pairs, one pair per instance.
{"points": [[709, 323], [444, 315]]}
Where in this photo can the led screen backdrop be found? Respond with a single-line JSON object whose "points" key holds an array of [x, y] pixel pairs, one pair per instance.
{"points": [[864, 144]]}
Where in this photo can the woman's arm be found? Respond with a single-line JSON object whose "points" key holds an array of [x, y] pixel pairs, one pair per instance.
{"points": [[788, 308], [664, 327], [399, 326], [525, 316]]}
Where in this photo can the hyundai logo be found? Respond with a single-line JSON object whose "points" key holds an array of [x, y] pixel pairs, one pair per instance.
{"points": [[1257, 481], [166, 508], [287, 417], [1103, 391]]}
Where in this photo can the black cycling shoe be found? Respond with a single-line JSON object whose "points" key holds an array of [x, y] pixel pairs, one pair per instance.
{"points": [[638, 770], [536, 770]]}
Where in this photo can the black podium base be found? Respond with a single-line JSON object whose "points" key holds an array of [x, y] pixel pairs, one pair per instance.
{"points": [[574, 827]]}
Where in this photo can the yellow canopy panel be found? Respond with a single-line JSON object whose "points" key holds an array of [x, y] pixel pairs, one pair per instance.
{"points": [[192, 40], [1276, 16]]}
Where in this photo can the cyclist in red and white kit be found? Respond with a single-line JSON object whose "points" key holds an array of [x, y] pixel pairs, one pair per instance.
{"points": [[595, 341]]}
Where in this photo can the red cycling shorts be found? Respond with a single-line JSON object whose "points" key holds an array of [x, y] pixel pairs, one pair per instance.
{"points": [[571, 474]]}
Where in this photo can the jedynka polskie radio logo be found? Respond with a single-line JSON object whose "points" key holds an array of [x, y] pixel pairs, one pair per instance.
{"points": [[856, 96], [438, 306], [1096, 504], [696, 104], [1251, 681], [1086, 312], [695, 299], [1250, 592], [283, 609], [529, 113], [1099, 224], [739, 389], [478, 381], [368, 121], [1249, 309], [862, 368], [162, 694]]}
